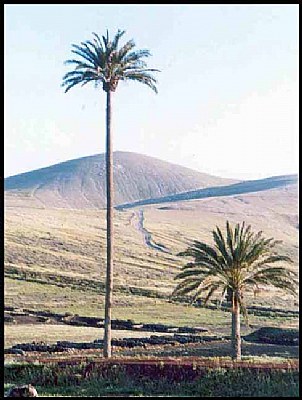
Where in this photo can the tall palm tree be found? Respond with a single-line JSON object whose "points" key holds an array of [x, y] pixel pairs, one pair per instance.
{"points": [[238, 260], [104, 63]]}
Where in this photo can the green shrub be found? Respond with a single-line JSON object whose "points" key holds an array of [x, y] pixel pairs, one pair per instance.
{"points": [[70, 379]]}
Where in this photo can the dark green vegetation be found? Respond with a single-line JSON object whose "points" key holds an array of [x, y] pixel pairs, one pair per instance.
{"points": [[155, 380]]}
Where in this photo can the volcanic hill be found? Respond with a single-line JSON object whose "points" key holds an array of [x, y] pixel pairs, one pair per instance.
{"points": [[80, 183]]}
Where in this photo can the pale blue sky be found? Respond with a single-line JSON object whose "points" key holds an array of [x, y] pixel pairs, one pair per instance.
{"points": [[228, 87]]}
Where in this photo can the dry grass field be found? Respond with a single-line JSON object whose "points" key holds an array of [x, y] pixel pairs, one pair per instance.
{"points": [[55, 258]]}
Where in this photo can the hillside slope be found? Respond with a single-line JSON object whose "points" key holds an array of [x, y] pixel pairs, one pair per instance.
{"points": [[80, 183], [51, 247], [251, 186]]}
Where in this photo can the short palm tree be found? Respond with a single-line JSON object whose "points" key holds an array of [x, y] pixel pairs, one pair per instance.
{"points": [[104, 63], [238, 260]]}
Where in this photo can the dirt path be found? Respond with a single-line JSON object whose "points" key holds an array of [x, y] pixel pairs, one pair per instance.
{"points": [[137, 220]]}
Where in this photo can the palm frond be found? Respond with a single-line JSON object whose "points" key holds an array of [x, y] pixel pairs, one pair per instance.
{"points": [[230, 239], [85, 52], [191, 272], [223, 294], [220, 245], [136, 56], [186, 287], [98, 42], [79, 64], [106, 40], [199, 250], [141, 77], [126, 49], [272, 259], [116, 39]]}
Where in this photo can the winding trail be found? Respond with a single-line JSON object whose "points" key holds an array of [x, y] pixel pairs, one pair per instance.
{"points": [[138, 223]]}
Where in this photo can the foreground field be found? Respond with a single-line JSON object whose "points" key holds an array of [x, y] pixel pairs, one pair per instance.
{"points": [[157, 378], [215, 321]]}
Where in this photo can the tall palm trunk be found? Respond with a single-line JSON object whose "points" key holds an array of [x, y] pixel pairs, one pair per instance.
{"points": [[236, 338], [109, 189]]}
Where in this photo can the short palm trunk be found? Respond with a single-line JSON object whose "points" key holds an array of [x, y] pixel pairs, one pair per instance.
{"points": [[236, 337]]}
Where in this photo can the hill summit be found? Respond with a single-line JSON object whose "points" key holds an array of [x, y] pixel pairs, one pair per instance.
{"points": [[80, 183]]}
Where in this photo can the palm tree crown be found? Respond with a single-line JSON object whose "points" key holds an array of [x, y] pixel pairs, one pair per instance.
{"points": [[239, 260], [102, 62]]}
